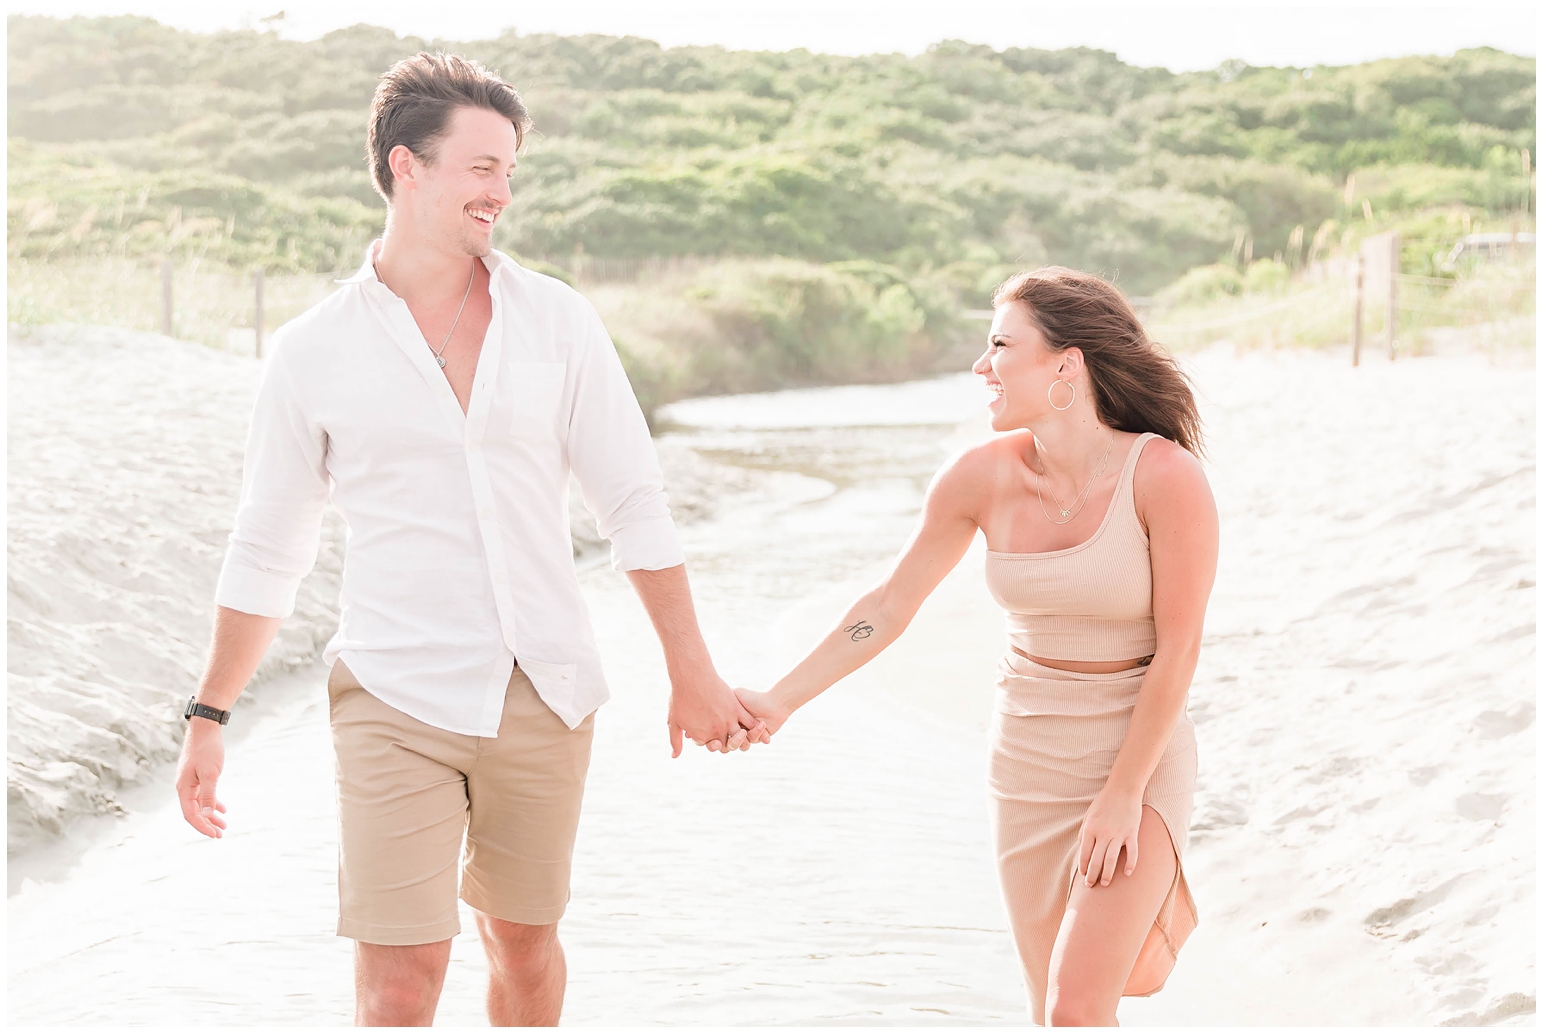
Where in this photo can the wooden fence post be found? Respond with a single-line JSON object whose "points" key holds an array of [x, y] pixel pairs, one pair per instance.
{"points": [[1527, 175], [1355, 320], [257, 310], [1394, 244], [166, 326]]}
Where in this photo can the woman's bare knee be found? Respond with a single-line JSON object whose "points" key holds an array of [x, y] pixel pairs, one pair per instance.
{"points": [[1103, 930], [1073, 1009]]}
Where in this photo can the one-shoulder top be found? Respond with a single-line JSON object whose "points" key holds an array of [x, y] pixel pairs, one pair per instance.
{"points": [[1091, 602]]}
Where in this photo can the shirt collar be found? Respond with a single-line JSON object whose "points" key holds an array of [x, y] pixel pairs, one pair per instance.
{"points": [[367, 268], [495, 261]]}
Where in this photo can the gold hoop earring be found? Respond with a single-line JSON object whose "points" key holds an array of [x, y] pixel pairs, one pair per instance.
{"points": [[1050, 395]]}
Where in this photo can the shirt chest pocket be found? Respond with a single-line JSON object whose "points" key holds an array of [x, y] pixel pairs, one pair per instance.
{"points": [[535, 393]]}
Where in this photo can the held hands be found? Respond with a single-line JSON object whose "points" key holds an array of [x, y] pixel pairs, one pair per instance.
{"points": [[705, 709], [765, 708], [760, 715], [198, 769], [1112, 822]]}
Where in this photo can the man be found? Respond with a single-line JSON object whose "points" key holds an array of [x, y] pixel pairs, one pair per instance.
{"points": [[445, 393]]}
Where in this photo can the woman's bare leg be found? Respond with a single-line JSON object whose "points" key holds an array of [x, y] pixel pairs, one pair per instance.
{"points": [[1104, 929]]}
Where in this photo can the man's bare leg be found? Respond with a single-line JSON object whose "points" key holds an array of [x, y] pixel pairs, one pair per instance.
{"points": [[398, 985], [527, 973]]}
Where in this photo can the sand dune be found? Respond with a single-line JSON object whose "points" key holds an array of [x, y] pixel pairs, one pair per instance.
{"points": [[125, 464]]}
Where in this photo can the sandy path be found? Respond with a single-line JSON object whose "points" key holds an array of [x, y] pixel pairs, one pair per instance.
{"points": [[786, 886], [1364, 842], [1363, 849], [1366, 699]]}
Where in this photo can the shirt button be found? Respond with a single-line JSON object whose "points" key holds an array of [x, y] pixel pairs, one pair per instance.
{"points": [[484, 514]]}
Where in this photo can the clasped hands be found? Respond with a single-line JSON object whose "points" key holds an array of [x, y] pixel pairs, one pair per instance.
{"points": [[719, 718]]}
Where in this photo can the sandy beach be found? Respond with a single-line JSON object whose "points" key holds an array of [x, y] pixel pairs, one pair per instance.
{"points": [[1363, 850]]}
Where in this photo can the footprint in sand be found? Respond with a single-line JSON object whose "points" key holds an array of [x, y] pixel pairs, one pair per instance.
{"points": [[1446, 965], [1505, 1007], [1519, 632], [1481, 807], [1336, 768], [1482, 916], [1382, 922], [1495, 724], [1220, 814]]}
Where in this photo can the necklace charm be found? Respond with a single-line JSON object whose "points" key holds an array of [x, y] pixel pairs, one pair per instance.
{"points": [[1076, 506], [439, 354]]}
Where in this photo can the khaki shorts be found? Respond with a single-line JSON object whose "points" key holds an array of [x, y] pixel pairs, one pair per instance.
{"points": [[408, 792]]}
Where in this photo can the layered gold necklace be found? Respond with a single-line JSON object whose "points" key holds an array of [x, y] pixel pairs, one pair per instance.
{"points": [[1068, 514]]}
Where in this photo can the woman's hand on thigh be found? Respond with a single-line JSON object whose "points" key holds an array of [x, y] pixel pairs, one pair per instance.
{"points": [[1112, 822]]}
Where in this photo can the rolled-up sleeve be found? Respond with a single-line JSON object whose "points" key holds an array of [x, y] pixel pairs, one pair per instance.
{"points": [[284, 489], [613, 458]]}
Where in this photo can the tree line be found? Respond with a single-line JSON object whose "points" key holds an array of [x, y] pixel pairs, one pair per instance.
{"points": [[129, 137]]}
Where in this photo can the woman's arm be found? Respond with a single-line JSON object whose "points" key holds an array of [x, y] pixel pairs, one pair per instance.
{"points": [[1175, 501], [947, 527]]}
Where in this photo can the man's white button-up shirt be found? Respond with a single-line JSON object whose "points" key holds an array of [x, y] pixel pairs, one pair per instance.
{"points": [[459, 557]]}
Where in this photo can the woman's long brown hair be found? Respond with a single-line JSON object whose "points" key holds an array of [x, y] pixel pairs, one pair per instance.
{"points": [[1136, 385]]}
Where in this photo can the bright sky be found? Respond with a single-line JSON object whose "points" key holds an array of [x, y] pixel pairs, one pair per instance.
{"points": [[1180, 38]]}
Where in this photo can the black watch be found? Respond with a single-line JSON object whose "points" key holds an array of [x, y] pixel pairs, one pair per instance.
{"points": [[197, 710]]}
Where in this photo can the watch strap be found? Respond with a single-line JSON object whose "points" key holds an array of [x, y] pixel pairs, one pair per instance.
{"points": [[197, 710]]}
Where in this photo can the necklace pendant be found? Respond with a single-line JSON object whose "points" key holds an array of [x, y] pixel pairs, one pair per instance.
{"points": [[440, 360], [1065, 513]]}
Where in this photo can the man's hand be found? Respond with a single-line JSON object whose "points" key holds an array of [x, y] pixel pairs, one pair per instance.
{"points": [[766, 709], [240, 639], [198, 769], [701, 704], [705, 709]]}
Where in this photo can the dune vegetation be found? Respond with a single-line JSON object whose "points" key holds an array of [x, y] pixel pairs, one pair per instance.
{"points": [[828, 218]]}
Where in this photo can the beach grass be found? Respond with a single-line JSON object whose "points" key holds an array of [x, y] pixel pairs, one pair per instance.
{"points": [[211, 305], [723, 326], [1490, 307], [761, 324]]}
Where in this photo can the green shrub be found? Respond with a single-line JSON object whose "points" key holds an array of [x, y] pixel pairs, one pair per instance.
{"points": [[247, 149], [757, 325], [1204, 284], [853, 204], [1266, 275]]}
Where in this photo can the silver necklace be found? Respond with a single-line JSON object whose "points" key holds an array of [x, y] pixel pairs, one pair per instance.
{"points": [[439, 355], [1076, 507]]}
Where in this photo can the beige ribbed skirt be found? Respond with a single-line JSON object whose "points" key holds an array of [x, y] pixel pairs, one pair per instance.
{"points": [[1053, 741]]}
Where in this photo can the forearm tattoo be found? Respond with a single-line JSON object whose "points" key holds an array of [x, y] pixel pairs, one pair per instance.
{"points": [[859, 631]]}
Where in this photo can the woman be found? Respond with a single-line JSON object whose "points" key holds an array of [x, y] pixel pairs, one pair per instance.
{"points": [[1101, 535]]}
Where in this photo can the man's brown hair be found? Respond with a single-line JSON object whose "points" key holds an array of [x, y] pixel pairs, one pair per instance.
{"points": [[415, 99]]}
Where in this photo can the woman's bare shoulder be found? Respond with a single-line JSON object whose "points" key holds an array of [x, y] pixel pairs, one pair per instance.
{"points": [[986, 463], [971, 479], [1169, 474]]}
